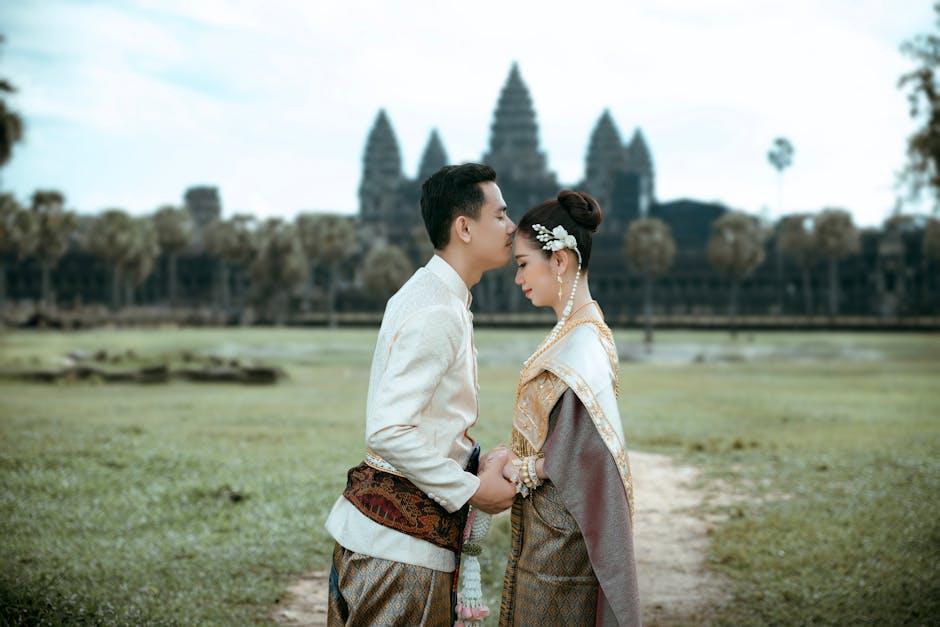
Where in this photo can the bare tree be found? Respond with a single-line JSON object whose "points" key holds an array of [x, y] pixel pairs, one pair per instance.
{"points": [[736, 249], [650, 250], [837, 238]]}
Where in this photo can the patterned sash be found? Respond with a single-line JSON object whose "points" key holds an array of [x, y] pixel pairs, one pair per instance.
{"points": [[395, 502]]}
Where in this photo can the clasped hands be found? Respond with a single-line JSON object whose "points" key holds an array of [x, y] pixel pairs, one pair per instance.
{"points": [[497, 476]]}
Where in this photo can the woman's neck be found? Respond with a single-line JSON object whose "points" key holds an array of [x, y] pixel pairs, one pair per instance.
{"points": [[582, 296]]}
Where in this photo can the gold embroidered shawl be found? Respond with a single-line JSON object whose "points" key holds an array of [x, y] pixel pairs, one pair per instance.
{"points": [[584, 359]]}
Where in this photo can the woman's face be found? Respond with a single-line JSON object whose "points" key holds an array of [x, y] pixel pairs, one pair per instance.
{"points": [[535, 273]]}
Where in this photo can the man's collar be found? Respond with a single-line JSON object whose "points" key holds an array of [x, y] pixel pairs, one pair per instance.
{"points": [[446, 273]]}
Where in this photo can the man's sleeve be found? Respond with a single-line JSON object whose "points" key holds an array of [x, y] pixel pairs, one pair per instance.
{"points": [[420, 354]]}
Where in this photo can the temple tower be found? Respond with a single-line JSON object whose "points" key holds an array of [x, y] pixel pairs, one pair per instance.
{"points": [[605, 159], [381, 173], [204, 205], [639, 161], [433, 159], [514, 134], [514, 152]]}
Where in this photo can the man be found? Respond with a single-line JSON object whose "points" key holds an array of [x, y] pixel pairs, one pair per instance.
{"points": [[399, 524]]}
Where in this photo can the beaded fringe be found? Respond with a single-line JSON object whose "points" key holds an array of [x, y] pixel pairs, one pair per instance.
{"points": [[471, 610]]}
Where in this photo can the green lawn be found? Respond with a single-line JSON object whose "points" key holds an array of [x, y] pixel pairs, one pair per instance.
{"points": [[199, 503]]}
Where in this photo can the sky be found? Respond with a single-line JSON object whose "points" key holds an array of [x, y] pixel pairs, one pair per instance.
{"points": [[128, 103]]}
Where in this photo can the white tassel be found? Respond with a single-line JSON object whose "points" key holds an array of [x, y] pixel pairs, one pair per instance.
{"points": [[471, 610]]}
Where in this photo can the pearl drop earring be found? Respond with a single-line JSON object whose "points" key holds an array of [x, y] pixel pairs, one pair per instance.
{"points": [[555, 240]]}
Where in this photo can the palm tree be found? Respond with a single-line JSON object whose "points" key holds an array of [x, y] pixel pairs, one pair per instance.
{"points": [[931, 250], [736, 249], [650, 250], [797, 240], [308, 229], [279, 267], [174, 228], [17, 235], [422, 244], [385, 270], [11, 124], [780, 156], [923, 96], [332, 240], [230, 241], [932, 239], [143, 253], [111, 237], [837, 238], [55, 225]]}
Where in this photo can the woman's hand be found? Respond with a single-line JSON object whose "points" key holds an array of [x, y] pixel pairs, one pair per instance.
{"points": [[511, 471]]}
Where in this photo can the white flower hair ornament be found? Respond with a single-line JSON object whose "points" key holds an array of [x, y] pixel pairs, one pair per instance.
{"points": [[556, 239], [553, 241]]}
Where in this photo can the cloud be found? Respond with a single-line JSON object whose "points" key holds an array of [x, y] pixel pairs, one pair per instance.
{"points": [[128, 103]]}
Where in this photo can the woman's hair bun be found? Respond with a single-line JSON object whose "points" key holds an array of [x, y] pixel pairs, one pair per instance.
{"points": [[582, 208]]}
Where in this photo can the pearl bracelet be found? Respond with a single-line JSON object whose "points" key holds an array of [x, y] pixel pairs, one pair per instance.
{"points": [[527, 478]]}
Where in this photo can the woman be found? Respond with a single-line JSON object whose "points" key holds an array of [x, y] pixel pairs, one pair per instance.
{"points": [[571, 559]]}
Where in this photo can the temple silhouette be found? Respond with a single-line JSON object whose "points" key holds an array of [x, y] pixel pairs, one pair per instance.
{"points": [[621, 175], [888, 277]]}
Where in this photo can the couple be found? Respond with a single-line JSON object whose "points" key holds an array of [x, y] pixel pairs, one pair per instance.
{"points": [[399, 525]]}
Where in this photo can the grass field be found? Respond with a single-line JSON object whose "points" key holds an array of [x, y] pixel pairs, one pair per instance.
{"points": [[198, 503]]}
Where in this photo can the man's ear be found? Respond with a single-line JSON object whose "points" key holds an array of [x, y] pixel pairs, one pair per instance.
{"points": [[461, 229]]}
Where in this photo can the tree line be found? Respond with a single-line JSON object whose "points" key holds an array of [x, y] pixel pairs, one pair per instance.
{"points": [[280, 255], [737, 247]]}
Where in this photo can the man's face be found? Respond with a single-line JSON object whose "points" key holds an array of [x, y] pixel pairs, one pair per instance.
{"points": [[491, 233]]}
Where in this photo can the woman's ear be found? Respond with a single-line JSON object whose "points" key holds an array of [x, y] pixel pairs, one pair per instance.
{"points": [[559, 262], [461, 229]]}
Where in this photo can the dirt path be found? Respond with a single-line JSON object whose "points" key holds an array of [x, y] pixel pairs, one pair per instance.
{"points": [[671, 539]]}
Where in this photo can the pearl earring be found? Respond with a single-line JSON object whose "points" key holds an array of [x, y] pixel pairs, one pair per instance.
{"points": [[561, 285]]}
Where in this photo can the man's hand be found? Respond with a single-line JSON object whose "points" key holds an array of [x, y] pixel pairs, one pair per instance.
{"points": [[495, 494], [494, 456], [510, 472]]}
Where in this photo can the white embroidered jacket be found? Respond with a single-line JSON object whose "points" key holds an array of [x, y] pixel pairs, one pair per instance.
{"points": [[422, 400]]}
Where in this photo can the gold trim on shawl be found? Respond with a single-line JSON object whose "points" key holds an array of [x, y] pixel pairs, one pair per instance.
{"points": [[612, 439], [544, 380], [530, 418]]}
